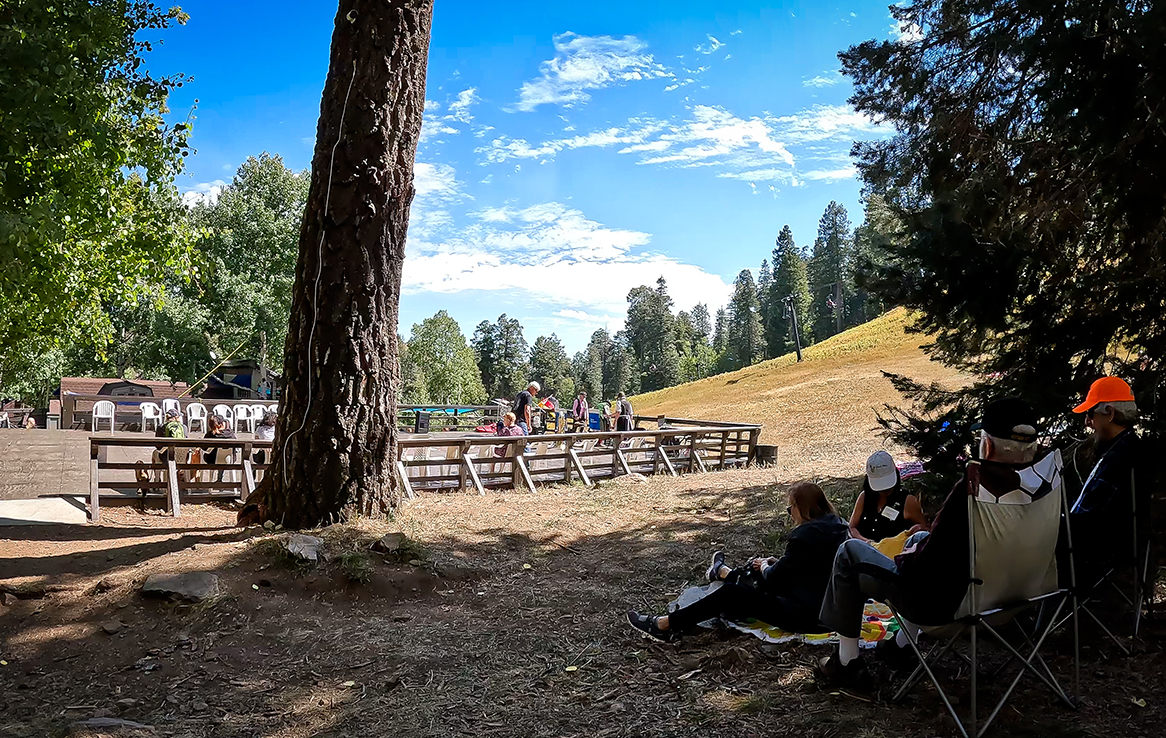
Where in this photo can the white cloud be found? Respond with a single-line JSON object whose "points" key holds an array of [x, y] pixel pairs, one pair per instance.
{"points": [[830, 175], [459, 109], [206, 193], [503, 148], [710, 47], [536, 250], [713, 133], [904, 32], [583, 63], [825, 79], [735, 33], [823, 122]]}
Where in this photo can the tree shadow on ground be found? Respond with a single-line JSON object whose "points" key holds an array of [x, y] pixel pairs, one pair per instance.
{"points": [[507, 629]]}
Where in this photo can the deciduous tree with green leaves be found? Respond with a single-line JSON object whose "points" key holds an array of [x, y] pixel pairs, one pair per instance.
{"points": [[439, 348], [89, 214]]}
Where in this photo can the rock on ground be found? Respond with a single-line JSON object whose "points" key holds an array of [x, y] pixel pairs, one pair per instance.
{"points": [[304, 547], [194, 586], [390, 542]]}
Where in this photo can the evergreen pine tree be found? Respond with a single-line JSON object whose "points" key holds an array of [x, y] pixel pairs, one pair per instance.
{"points": [[651, 335], [746, 340], [829, 284], [789, 278], [1028, 177], [764, 293]]}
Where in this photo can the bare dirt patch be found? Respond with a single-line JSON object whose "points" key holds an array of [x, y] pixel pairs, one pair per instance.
{"points": [[509, 622]]}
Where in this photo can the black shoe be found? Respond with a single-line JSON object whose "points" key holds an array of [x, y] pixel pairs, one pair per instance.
{"points": [[899, 659], [713, 574], [646, 625], [832, 673]]}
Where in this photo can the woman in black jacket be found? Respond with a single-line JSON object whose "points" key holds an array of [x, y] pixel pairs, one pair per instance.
{"points": [[790, 591]]}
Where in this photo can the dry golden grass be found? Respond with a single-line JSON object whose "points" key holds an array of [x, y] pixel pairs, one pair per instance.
{"points": [[820, 412]]}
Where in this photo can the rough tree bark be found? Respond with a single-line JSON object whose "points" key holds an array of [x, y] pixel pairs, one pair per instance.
{"points": [[335, 440]]}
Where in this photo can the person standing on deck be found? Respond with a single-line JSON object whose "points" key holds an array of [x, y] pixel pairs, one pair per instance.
{"points": [[523, 404]]}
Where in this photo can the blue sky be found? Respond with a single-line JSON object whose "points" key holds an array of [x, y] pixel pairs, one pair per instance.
{"points": [[571, 151]]}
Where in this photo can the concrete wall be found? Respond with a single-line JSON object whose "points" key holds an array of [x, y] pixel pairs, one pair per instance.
{"points": [[41, 462]]}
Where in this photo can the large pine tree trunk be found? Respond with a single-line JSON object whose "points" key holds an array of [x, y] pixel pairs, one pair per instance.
{"points": [[335, 441]]}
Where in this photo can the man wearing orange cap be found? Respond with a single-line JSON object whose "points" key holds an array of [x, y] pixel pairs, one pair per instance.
{"points": [[1101, 516]]}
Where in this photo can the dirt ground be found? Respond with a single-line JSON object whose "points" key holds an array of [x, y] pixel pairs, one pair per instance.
{"points": [[509, 621]]}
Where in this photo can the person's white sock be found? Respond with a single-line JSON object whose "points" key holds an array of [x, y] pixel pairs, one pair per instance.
{"points": [[901, 637], [847, 649]]}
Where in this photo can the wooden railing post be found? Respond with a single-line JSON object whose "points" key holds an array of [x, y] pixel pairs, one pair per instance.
{"points": [[94, 497], [754, 436]]}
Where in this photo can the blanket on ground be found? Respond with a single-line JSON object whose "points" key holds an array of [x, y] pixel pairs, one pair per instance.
{"points": [[878, 623]]}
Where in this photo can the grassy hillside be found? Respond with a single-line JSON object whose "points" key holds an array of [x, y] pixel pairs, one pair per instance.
{"points": [[820, 412]]}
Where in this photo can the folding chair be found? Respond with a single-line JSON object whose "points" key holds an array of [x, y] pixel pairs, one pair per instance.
{"points": [[1137, 559], [1013, 565]]}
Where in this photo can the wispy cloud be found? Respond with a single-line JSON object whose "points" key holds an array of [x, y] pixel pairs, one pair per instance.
{"points": [[753, 150], [459, 109], [712, 45], [830, 175], [584, 63], [825, 79], [825, 122]]}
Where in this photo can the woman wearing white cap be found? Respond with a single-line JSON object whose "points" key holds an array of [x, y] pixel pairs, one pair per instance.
{"points": [[884, 510]]}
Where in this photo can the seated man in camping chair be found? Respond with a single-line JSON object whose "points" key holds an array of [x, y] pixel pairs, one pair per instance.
{"points": [[1101, 518], [928, 582]]}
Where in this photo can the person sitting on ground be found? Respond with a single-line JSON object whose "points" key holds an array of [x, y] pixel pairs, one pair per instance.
{"points": [[580, 411], [884, 510], [928, 581], [524, 404], [789, 593], [1101, 516], [510, 427], [29, 422], [172, 426]]}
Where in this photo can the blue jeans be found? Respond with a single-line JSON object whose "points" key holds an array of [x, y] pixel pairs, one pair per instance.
{"points": [[860, 573]]}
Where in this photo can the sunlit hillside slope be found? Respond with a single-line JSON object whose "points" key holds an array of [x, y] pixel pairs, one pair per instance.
{"points": [[820, 412]]}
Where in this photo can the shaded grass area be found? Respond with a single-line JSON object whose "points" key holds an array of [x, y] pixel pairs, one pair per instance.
{"points": [[473, 642]]}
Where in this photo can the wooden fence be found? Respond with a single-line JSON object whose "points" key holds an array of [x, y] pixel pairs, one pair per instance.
{"points": [[169, 475], [499, 462]]}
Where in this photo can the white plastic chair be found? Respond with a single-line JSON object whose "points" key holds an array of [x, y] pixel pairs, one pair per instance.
{"points": [[225, 411], [196, 415], [104, 410], [244, 420], [257, 412], [171, 403], [151, 413], [273, 408]]}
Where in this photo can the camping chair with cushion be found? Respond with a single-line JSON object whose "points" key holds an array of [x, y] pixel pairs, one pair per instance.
{"points": [[1013, 566]]}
